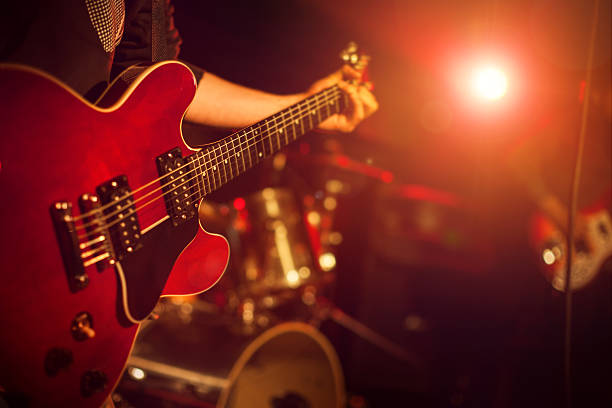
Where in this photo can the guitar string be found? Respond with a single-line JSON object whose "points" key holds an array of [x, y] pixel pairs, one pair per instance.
{"points": [[219, 163], [209, 165], [231, 151], [104, 244], [196, 168], [333, 89]]}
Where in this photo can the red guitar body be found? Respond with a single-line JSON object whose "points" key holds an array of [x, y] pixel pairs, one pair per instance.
{"points": [[54, 147]]}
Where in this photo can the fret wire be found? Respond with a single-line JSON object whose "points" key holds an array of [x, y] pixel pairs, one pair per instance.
{"points": [[272, 150], [309, 113], [280, 128], [215, 167], [294, 122], [198, 176], [206, 160], [309, 101], [314, 112], [212, 168], [301, 120], [297, 112], [318, 108], [268, 149], [198, 171], [241, 151], [227, 160], [258, 148], [306, 125], [264, 147], [298, 120], [286, 136], [221, 165], [236, 155], [211, 177], [278, 142], [239, 156], [205, 173], [248, 149]]}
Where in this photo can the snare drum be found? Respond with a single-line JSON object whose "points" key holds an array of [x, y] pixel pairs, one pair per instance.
{"points": [[203, 364]]}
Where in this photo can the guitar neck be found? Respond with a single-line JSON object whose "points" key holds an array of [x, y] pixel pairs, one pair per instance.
{"points": [[221, 162]]}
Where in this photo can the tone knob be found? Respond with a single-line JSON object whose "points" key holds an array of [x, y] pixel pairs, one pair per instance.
{"points": [[93, 381], [56, 360]]}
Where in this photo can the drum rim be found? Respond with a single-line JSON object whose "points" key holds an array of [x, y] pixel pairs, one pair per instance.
{"points": [[273, 332]]}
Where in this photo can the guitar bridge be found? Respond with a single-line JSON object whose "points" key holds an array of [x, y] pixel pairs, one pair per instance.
{"points": [[65, 231], [98, 238]]}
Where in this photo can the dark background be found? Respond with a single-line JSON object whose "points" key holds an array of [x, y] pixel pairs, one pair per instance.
{"points": [[493, 329]]}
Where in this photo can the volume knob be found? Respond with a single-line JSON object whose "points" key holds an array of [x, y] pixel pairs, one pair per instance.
{"points": [[93, 381], [57, 359]]}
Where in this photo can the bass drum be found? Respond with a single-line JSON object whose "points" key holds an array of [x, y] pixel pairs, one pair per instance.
{"points": [[202, 364]]}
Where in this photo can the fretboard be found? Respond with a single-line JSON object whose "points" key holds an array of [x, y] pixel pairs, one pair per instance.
{"points": [[221, 162]]}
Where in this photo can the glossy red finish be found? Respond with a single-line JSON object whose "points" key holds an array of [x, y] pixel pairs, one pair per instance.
{"points": [[54, 146]]}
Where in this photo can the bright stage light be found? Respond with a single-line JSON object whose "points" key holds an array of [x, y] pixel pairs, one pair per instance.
{"points": [[489, 83]]}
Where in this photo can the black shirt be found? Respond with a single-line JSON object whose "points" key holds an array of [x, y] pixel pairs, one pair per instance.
{"points": [[59, 37]]}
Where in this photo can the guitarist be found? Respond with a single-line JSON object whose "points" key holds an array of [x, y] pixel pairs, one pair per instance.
{"points": [[86, 43]]}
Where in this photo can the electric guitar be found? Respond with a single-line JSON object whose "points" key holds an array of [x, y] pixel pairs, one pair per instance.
{"points": [[591, 249], [100, 218]]}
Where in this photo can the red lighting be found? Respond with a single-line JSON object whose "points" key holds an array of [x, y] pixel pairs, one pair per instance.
{"points": [[342, 161], [386, 176], [581, 91], [239, 204]]}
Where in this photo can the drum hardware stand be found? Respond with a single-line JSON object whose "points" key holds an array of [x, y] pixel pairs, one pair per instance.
{"points": [[324, 309]]}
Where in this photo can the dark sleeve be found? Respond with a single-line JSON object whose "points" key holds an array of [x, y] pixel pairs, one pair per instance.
{"points": [[141, 43]]}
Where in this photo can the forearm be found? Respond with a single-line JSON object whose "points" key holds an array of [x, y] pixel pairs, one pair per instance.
{"points": [[224, 104]]}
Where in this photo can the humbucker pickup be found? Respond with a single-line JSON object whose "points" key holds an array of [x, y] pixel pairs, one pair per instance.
{"points": [[120, 216], [179, 184]]}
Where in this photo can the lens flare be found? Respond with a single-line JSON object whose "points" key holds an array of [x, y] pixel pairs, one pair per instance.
{"points": [[490, 83]]}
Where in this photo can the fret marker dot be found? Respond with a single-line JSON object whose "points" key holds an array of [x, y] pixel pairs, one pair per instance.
{"points": [[297, 121], [260, 154], [214, 167], [238, 154], [280, 130], [225, 161]]}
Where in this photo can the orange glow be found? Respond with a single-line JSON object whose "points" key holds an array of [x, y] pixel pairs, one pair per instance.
{"points": [[489, 83]]}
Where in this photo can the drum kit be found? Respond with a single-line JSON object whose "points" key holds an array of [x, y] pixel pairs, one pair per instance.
{"points": [[254, 340]]}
